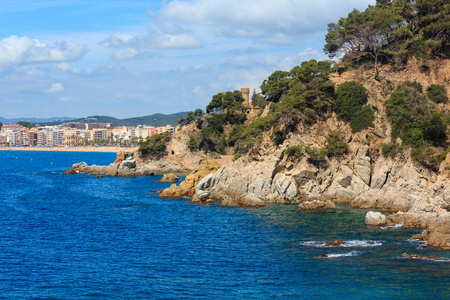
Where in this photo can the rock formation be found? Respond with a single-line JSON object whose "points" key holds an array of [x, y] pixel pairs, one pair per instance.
{"points": [[335, 243], [438, 235], [188, 186], [168, 178], [316, 204], [124, 165], [375, 218]]}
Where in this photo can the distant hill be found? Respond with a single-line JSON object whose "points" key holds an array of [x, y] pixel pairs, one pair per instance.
{"points": [[152, 120], [35, 120]]}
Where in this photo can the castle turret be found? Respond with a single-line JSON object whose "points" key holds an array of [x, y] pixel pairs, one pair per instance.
{"points": [[246, 95]]}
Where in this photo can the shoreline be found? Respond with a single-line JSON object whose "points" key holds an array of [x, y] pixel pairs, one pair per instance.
{"points": [[72, 149]]}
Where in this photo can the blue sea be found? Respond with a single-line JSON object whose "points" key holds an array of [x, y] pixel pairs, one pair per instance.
{"points": [[80, 237]]}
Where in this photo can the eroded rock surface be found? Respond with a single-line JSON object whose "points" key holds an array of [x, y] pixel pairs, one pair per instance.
{"points": [[189, 185], [316, 204], [375, 218], [168, 178], [124, 165]]}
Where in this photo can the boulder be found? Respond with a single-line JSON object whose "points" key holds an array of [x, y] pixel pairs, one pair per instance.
{"points": [[129, 163], [375, 218], [316, 204], [169, 178], [201, 196], [250, 199], [438, 235], [335, 243]]}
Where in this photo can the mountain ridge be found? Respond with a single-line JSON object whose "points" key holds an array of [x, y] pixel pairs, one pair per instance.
{"points": [[157, 120]]}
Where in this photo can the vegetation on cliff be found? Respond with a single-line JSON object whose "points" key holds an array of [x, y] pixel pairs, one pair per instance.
{"points": [[155, 146], [392, 30], [417, 122]]}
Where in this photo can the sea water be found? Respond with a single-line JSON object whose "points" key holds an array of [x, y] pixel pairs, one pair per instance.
{"points": [[81, 237]]}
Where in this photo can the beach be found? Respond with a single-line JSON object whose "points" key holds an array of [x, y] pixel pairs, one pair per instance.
{"points": [[73, 148]]}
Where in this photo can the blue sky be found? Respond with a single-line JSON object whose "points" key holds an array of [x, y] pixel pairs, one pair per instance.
{"points": [[127, 58]]}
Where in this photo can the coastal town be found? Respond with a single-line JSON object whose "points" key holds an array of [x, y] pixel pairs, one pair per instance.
{"points": [[77, 134]]}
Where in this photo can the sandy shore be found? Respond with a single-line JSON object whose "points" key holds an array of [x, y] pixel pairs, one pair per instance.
{"points": [[72, 149]]}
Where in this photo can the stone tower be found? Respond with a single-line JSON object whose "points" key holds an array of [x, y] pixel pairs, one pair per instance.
{"points": [[246, 95]]}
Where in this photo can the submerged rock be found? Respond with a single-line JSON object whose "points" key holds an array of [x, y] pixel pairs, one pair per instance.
{"points": [[422, 256], [316, 204], [335, 243]]}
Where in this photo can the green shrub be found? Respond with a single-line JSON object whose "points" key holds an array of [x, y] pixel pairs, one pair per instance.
{"points": [[316, 155], [193, 143], [294, 151], [156, 145], [413, 118], [362, 119], [437, 94], [351, 98], [335, 146], [389, 150], [434, 128]]}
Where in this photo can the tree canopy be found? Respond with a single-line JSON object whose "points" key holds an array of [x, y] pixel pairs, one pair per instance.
{"points": [[191, 117], [392, 28]]}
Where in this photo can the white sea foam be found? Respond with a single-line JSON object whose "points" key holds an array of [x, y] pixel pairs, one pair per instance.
{"points": [[396, 226], [348, 254], [348, 244], [420, 244], [437, 259]]}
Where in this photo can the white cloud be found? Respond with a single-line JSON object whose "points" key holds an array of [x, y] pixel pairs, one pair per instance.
{"points": [[307, 54], [275, 21], [241, 60], [56, 88], [66, 67], [197, 91], [154, 39], [125, 54], [17, 50], [64, 99], [13, 50], [119, 39]]}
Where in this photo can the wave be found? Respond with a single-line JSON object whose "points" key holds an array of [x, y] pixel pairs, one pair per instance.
{"points": [[396, 226], [419, 244], [348, 244], [433, 259], [348, 254]]}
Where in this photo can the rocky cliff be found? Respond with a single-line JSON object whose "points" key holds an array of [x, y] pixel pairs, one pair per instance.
{"points": [[417, 196]]}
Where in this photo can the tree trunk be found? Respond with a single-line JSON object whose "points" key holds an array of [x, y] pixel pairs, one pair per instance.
{"points": [[377, 78]]}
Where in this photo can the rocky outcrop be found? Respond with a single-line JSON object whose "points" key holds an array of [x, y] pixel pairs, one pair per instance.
{"points": [[189, 185], [415, 195], [316, 204], [438, 235], [406, 255], [335, 243], [247, 199], [375, 218], [124, 165], [168, 178]]}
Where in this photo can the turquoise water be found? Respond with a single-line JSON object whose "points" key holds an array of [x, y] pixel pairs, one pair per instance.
{"points": [[80, 237]]}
